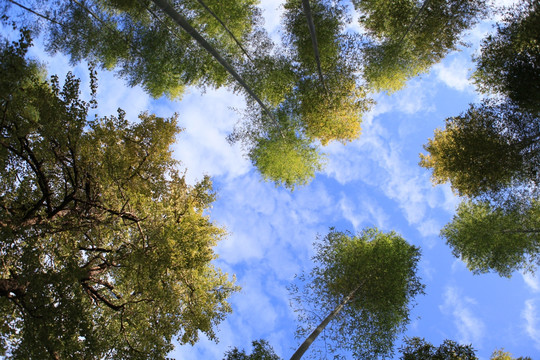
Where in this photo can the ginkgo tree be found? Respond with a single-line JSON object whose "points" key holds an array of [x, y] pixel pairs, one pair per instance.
{"points": [[105, 249], [359, 292]]}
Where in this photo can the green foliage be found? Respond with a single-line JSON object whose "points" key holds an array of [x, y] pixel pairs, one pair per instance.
{"points": [[106, 251], [143, 45], [503, 355], [411, 36], [419, 349], [485, 149], [509, 62], [327, 99], [491, 155], [261, 351], [380, 269], [286, 159], [328, 21], [332, 115], [501, 239]]}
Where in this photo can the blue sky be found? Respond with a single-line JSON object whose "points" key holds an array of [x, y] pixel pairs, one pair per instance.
{"points": [[374, 181]]}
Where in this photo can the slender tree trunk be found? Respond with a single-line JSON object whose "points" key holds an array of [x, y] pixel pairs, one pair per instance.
{"points": [[313, 34], [35, 13], [424, 5], [226, 28], [311, 338], [184, 24]]}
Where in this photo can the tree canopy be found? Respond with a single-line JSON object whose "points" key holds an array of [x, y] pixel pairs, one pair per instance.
{"points": [[143, 44], [496, 238], [408, 37], [509, 62], [419, 349], [490, 153], [106, 251], [484, 149], [315, 74], [366, 283], [261, 351]]}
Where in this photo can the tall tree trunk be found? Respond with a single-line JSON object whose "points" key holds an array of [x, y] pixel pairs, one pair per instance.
{"points": [[184, 24], [226, 28], [35, 13], [313, 34], [311, 338], [424, 5]]}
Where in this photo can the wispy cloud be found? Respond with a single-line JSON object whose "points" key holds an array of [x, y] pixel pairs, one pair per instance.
{"points": [[202, 146], [531, 317], [470, 327], [455, 73], [532, 281]]}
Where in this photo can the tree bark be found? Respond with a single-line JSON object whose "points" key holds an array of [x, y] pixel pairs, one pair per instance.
{"points": [[413, 21], [313, 34], [311, 338], [225, 27]]}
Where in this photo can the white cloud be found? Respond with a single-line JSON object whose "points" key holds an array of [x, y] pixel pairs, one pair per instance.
{"points": [[202, 146], [531, 321], [429, 228], [532, 281], [272, 12], [348, 212], [381, 162], [427, 269], [455, 73], [470, 327]]}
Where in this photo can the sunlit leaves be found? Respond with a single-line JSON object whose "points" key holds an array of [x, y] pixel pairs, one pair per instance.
{"points": [[287, 160], [484, 149], [410, 36], [500, 239], [334, 115], [144, 46]]}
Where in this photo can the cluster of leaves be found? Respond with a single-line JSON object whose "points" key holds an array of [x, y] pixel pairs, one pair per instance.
{"points": [[261, 351], [485, 149], [105, 250], [403, 43]]}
